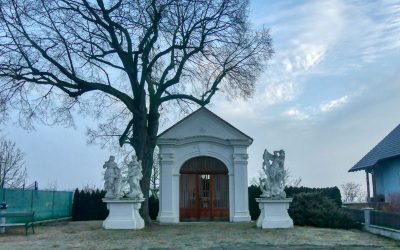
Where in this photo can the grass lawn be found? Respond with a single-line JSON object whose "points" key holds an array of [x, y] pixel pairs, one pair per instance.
{"points": [[90, 235]]}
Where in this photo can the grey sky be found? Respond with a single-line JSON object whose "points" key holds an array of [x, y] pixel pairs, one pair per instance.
{"points": [[329, 95]]}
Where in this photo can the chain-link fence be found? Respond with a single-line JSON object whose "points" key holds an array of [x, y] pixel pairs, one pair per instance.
{"points": [[45, 204]]}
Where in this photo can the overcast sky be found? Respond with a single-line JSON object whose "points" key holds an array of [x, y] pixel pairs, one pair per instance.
{"points": [[331, 92]]}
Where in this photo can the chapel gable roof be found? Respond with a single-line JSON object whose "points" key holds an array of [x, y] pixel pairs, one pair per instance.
{"points": [[389, 147], [203, 122]]}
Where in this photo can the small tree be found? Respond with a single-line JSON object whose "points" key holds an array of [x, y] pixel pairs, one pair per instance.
{"points": [[352, 192], [12, 171]]}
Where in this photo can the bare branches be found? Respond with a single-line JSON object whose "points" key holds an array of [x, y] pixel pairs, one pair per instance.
{"points": [[352, 192], [121, 61], [12, 171], [161, 46]]}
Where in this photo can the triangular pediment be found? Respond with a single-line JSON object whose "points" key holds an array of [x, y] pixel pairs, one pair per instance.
{"points": [[203, 122]]}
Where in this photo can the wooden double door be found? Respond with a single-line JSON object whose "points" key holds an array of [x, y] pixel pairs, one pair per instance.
{"points": [[204, 190]]}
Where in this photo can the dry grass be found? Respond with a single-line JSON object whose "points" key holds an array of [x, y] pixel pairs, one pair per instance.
{"points": [[90, 235]]}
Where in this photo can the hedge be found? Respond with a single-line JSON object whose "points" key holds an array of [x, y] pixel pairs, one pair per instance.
{"points": [[255, 192], [88, 205], [332, 193], [153, 207], [315, 209], [310, 206]]}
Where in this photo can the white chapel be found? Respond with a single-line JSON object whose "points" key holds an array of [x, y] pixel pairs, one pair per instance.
{"points": [[203, 170]]}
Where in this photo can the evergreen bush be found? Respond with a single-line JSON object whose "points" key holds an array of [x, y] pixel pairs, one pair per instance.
{"points": [[332, 193], [254, 192], [315, 209], [153, 207], [88, 205], [319, 207]]}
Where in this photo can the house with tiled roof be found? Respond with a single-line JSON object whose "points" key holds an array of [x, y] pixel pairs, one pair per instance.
{"points": [[382, 163]]}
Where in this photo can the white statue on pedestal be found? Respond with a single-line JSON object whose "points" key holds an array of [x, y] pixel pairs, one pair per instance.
{"points": [[134, 177], [112, 179], [123, 213], [273, 203], [272, 186]]}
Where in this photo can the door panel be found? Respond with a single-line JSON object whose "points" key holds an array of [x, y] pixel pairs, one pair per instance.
{"points": [[188, 196], [204, 190], [204, 197], [220, 209]]}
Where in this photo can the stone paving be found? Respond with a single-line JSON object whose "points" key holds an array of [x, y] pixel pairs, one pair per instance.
{"points": [[90, 235]]}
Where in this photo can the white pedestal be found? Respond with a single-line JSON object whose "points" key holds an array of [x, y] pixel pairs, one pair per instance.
{"points": [[274, 213], [124, 214]]}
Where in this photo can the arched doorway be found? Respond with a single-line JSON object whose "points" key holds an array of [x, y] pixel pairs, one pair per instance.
{"points": [[204, 190]]}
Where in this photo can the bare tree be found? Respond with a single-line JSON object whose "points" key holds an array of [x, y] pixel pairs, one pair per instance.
{"points": [[51, 185], [12, 171], [89, 188], [352, 192], [288, 179], [123, 61]]}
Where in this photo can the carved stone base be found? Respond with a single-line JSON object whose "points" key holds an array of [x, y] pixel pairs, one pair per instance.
{"points": [[124, 214], [274, 213]]}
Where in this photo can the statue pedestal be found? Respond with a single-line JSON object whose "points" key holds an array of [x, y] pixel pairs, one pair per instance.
{"points": [[274, 213], [124, 214]]}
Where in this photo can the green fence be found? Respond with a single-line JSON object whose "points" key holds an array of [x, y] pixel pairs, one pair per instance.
{"points": [[45, 204]]}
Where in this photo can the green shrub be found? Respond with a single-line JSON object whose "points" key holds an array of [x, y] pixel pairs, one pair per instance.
{"points": [[254, 192], [332, 193], [88, 205], [315, 209], [153, 207]]}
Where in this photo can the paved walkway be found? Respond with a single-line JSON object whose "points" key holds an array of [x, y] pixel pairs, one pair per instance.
{"points": [[90, 235]]}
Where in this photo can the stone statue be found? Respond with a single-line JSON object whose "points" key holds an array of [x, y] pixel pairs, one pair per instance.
{"points": [[134, 177], [112, 179], [272, 186]]}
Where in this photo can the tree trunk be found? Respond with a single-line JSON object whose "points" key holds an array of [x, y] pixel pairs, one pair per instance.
{"points": [[147, 159], [147, 164]]}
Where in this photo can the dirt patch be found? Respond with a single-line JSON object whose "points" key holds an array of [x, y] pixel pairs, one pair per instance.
{"points": [[90, 235]]}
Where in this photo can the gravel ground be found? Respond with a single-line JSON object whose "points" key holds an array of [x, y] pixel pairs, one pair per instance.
{"points": [[90, 235]]}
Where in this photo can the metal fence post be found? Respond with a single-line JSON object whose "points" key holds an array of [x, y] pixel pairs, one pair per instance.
{"points": [[52, 208], [367, 216], [3, 208], [2, 221]]}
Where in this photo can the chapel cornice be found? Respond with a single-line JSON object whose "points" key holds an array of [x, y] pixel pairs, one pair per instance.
{"points": [[203, 138]]}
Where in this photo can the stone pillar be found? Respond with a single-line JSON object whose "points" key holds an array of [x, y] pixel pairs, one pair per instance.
{"points": [[241, 203], [367, 217], [231, 195], [368, 192], [167, 212]]}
